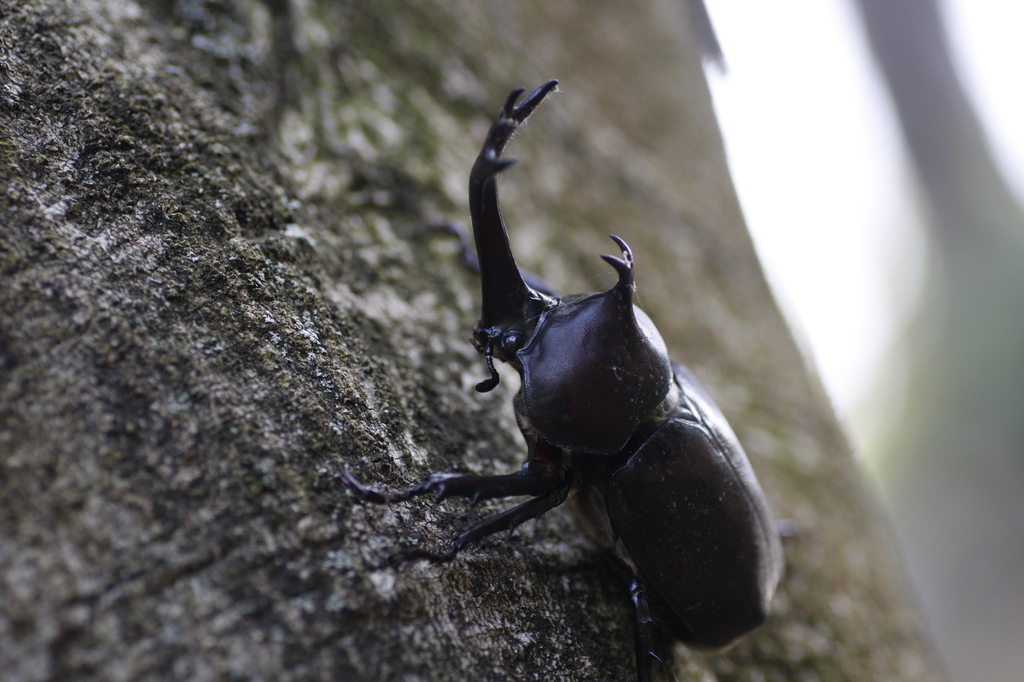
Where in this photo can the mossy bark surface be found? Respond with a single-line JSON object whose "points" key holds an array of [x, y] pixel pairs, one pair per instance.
{"points": [[217, 292]]}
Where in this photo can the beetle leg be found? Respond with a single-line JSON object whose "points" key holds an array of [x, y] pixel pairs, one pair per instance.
{"points": [[643, 625], [506, 520], [530, 481], [643, 621], [459, 231]]}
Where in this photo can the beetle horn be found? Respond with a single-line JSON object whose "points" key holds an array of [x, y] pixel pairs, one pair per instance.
{"points": [[506, 296], [625, 287]]}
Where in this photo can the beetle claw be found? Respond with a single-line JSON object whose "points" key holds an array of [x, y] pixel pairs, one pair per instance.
{"points": [[361, 490], [438, 482], [420, 554]]}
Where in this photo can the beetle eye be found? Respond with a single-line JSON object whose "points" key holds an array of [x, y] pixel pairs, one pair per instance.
{"points": [[510, 343]]}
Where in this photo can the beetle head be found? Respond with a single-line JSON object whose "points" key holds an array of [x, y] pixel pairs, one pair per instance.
{"points": [[594, 367]]}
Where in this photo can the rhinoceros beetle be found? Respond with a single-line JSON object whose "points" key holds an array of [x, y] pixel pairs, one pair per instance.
{"points": [[609, 418]]}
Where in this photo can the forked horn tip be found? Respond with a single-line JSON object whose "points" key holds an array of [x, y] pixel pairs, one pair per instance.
{"points": [[624, 265]]}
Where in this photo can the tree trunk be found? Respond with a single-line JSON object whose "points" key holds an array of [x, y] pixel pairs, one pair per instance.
{"points": [[217, 292]]}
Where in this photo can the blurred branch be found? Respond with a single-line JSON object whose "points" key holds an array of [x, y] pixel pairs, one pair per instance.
{"points": [[956, 466], [945, 138]]}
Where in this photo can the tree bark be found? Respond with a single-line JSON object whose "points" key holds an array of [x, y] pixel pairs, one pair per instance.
{"points": [[217, 292]]}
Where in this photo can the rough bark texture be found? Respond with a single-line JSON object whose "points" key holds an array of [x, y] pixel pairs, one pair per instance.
{"points": [[216, 293]]}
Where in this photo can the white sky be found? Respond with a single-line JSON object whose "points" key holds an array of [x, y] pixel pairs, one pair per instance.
{"points": [[986, 36], [820, 168]]}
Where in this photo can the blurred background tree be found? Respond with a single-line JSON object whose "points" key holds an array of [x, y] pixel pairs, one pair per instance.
{"points": [[892, 236], [954, 469]]}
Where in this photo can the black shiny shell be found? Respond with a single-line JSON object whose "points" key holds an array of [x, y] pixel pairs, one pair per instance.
{"points": [[592, 371], [689, 510]]}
